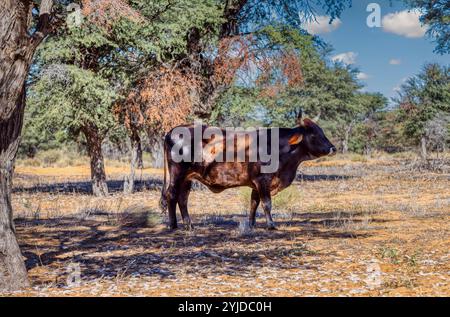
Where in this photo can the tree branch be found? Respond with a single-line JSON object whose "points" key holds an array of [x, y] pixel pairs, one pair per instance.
{"points": [[44, 26]]}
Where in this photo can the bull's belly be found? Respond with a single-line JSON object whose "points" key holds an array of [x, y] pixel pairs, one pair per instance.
{"points": [[224, 175]]}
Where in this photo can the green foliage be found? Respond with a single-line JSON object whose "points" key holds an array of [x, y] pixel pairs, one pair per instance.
{"points": [[422, 98], [326, 89], [237, 107], [171, 27], [70, 97], [80, 72]]}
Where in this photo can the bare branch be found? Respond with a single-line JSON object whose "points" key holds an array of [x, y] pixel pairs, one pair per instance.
{"points": [[43, 27]]}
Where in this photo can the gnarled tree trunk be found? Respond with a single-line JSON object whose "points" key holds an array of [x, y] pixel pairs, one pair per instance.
{"points": [[17, 47], [98, 175], [13, 274]]}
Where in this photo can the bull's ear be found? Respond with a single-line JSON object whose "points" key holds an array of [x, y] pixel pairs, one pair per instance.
{"points": [[295, 139], [299, 117]]}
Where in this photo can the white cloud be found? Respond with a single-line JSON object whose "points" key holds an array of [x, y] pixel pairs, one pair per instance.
{"points": [[404, 23], [322, 25], [395, 61], [347, 58], [362, 76]]}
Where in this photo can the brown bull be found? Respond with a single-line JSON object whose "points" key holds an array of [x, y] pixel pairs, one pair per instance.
{"points": [[304, 142]]}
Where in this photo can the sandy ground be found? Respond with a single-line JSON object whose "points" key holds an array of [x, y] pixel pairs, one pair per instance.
{"points": [[345, 228]]}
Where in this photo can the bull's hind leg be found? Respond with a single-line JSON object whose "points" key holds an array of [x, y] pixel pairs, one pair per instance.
{"points": [[254, 203], [173, 192], [172, 206], [183, 196]]}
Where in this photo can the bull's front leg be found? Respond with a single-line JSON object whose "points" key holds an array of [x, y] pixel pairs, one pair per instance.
{"points": [[266, 200], [253, 207]]}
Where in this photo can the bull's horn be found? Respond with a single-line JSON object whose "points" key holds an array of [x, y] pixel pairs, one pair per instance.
{"points": [[299, 117]]}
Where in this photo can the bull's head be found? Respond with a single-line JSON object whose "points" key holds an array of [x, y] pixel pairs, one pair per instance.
{"points": [[313, 138]]}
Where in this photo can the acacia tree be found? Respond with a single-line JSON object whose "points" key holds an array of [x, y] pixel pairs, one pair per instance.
{"points": [[97, 60], [325, 91], [422, 98], [20, 35], [80, 101], [249, 17], [362, 125], [162, 92], [23, 26]]}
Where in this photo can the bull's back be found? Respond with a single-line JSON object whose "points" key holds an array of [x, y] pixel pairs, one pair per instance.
{"points": [[221, 167]]}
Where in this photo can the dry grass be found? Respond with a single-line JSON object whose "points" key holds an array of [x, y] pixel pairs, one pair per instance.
{"points": [[347, 226]]}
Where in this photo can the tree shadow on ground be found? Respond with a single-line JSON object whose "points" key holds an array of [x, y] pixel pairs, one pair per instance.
{"points": [[107, 250], [150, 183], [85, 187]]}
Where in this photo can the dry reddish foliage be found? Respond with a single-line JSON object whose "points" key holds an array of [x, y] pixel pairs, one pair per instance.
{"points": [[168, 96], [163, 100], [105, 12], [234, 54], [277, 71], [240, 56], [291, 68]]}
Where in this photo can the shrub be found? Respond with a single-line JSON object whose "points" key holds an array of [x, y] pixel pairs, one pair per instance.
{"points": [[50, 157], [286, 199], [140, 216], [358, 158]]}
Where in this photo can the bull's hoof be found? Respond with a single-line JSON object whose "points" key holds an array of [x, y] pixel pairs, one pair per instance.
{"points": [[173, 227], [189, 227], [271, 227]]}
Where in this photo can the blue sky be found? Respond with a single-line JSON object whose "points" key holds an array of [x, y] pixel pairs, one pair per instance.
{"points": [[385, 55]]}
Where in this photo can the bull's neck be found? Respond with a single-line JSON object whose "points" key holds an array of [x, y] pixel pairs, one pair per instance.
{"points": [[299, 153], [297, 156], [291, 162]]}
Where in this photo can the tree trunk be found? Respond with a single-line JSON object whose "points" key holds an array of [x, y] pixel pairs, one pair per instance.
{"points": [[17, 48], [230, 15], [158, 154], [136, 156], [13, 274], [346, 138], [423, 148], [140, 161], [98, 174], [345, 145]]}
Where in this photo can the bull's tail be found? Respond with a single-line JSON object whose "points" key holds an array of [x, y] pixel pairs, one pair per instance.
{"points": [[163, 199]]}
